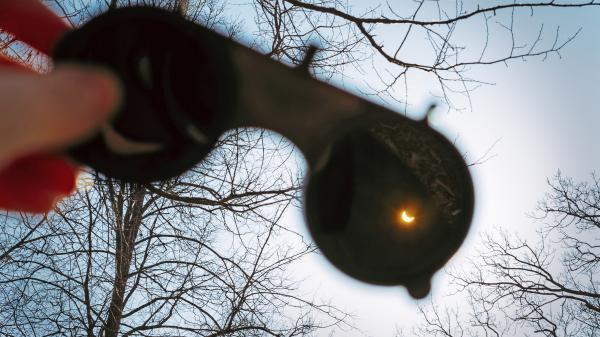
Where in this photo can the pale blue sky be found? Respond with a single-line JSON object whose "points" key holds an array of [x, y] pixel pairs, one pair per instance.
{"points": [[545, 114]]}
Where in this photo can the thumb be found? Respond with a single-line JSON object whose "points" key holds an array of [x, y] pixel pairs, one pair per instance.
{"points": [[42, 112]]}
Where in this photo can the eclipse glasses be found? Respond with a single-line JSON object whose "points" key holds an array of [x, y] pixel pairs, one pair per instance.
{"points": [[388, 199]]}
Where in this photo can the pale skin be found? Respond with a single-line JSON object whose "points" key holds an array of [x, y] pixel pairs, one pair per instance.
{"points": [[41, 113]]}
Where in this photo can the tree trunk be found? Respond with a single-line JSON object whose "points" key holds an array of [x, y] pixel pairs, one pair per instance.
{"points": [[126, 232]]}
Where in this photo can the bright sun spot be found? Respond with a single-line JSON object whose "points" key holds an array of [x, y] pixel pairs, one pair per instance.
{"points": [[405, 218]]}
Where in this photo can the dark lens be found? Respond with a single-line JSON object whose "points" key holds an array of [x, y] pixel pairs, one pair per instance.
{"points": [[179, 90], [390, 204]]}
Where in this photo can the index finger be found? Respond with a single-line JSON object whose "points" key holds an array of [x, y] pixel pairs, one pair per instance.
{"points": [[44, 112]]}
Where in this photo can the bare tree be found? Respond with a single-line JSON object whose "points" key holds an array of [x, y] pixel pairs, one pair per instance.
{"points": [[554, 290], [203, 254], [411, 39], [397, 42], [200, 255], [516, 287]]}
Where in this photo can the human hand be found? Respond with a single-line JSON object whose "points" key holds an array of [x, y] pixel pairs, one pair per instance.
{"points": [[43, 113]]}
